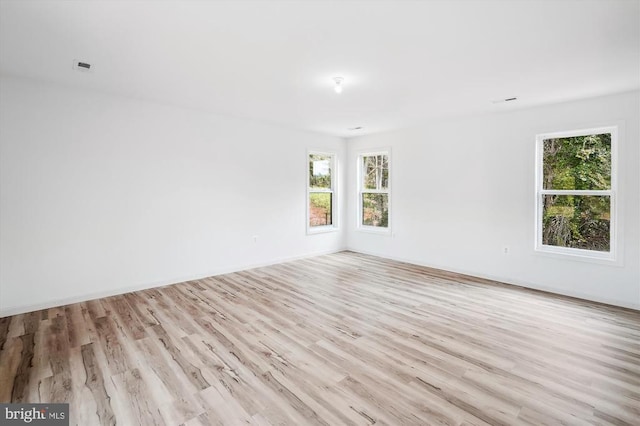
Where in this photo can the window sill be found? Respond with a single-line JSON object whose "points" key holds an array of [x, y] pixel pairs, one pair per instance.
{"points": [[579, 255], [321, 229], [374, 230]]}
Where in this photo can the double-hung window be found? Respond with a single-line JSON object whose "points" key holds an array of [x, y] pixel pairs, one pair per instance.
{"points": [[321, 199], [575, 193], [373, 191]]}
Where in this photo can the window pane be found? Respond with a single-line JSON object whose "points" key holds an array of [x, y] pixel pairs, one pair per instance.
{"points": [[375, 172], [320, 208], [319, 171], [581, 162], [375, 210], [577, 221]]}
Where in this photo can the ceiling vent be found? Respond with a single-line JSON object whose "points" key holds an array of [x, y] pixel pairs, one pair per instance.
{"points": [[82, 66], [499, 101]]}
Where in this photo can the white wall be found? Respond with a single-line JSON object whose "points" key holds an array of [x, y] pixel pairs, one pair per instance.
{"points": [[463, 189], [100, 194]]}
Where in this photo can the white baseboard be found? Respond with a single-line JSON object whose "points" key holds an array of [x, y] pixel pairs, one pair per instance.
{"points": [[519, 283], [15, 310]]}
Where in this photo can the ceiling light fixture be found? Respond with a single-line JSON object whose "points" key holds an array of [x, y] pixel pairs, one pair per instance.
{"points": [[338, 84]]}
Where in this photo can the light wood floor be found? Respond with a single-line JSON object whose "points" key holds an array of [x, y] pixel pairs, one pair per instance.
{"points": [[337, 339]]}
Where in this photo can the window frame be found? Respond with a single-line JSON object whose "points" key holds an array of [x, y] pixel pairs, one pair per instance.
{"points": [[568, 252], [311, 230], [361, 190]]}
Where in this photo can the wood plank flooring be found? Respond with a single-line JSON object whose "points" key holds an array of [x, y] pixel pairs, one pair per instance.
{"points": [[337, 339]]}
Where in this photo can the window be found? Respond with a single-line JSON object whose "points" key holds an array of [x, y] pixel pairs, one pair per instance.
{"points": [[373, 191], [575, 194], [321, 198]]}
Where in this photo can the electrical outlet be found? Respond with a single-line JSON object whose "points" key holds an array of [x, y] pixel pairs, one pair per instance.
{"points": [[255, 239], [505, 250]]}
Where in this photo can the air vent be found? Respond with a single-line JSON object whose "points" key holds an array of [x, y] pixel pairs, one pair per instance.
{"points": [[499, 101], [82, 66]]}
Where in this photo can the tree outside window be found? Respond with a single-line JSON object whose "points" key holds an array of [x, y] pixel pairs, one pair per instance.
{"points": [[320, 203], [374, 190], [576, 191]]}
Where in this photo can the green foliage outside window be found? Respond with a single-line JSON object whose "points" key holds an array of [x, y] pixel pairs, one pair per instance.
{"points": [[320, 201], [577, 163], [319, 171], [320, 208], [375, 178], [375, 210]]}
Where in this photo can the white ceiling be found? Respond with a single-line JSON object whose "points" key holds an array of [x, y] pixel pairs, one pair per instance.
{"points": [[403, 61]]}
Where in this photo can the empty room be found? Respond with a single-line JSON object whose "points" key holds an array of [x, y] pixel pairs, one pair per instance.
{"points": [[312, 212]]}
